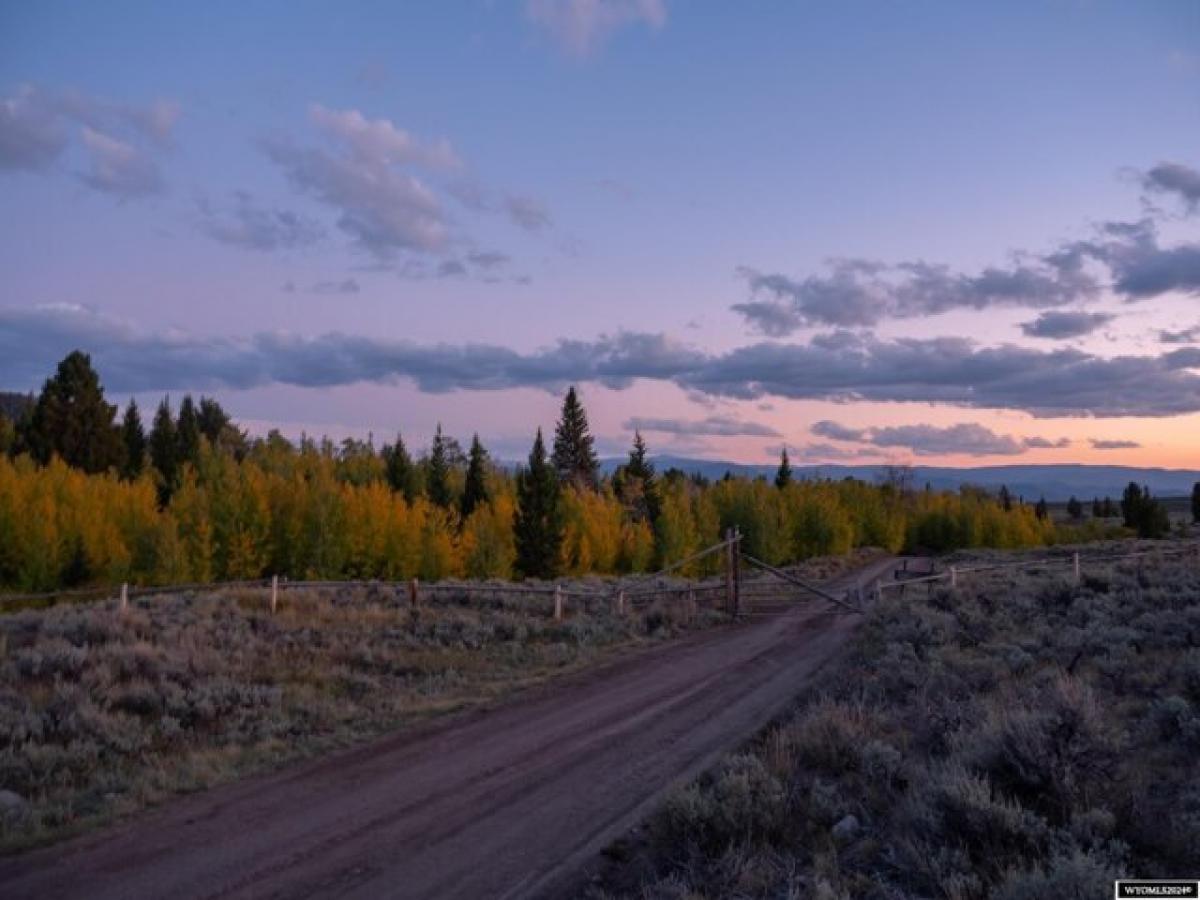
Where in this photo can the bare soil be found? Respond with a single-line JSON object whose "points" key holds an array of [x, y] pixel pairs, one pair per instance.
{"points": [[513, 801]]}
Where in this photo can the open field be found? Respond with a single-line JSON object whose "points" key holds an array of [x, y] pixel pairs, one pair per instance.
{"points": [[1018, 736], [507, 801], [102, 713]]}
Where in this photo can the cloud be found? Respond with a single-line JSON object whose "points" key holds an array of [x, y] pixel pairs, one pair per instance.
{"points": [[118, 168], [721, 426], [582, 26], [526, 212], [32, 134], [860, 293], [1124, 257], [378, 142], [384, 208], [35, 130], [345, 286], [954, 371], [834, 431], [1186, 336], [1041, 443], [1177, 179], [1066, 324], [1098, 444], [256, 227], [970, 439]]}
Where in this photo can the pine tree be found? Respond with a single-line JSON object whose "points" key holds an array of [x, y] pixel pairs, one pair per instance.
{"points": [[399, 470], [211, 419], [783, 476], [640, 468], [1005, 498], [438, 483], [574, 456], [71, 419], [164, 451], [187, 432], [134, 437], [537, 521], [1097, 509], [1041, 510], [1196, 503], [1074, 508], [475, 492]]}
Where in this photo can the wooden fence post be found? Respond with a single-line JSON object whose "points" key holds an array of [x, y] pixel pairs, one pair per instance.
{"points": [[124, 597], [620, 603], [878, 591], [737, 572], [274, 593], [953, 576], [729, 571], [1076, 562], [414, 593], [558, 603]]}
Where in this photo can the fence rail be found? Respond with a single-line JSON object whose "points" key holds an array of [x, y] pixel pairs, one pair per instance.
{"points": [[1076, 561]]}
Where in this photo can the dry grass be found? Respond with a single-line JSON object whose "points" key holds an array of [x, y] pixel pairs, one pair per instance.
{"points": [[1018, 737]]}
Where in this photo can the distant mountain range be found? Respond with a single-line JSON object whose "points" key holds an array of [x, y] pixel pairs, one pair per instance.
{"points": [[1054, 482]]}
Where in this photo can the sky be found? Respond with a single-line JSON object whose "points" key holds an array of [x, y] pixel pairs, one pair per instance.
{"points": [[935, 232]]}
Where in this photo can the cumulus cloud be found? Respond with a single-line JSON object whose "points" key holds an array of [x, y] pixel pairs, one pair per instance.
{"points": [[254, 227], [119, 139], [1124, 257], [119, 168], [955, 371], [1099, 444], [859, 293], [1175, 179], [720, 426], [581, 26], [1065, 324]]}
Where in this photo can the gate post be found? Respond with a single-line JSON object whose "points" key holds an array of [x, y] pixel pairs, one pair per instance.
{"points": [[737, 567], [729, 571]]}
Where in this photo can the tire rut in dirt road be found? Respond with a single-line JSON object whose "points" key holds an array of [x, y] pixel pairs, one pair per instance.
{"points": [[512, 802]]}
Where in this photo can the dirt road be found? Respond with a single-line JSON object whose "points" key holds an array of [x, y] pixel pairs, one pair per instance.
{"points": [[508, 802]]}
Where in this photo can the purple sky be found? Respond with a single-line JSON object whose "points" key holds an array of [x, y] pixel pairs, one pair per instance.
{"points": [[949, 233]]}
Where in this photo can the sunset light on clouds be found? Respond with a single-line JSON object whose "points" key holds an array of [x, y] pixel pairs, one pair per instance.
{"points": [[942, 233]]}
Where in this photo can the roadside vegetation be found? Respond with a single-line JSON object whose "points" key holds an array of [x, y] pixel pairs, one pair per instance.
{"points": [[103, 712], [1018, 736], [87, 499]]}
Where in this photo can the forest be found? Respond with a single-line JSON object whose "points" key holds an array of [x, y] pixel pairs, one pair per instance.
{"points": [[90, 498]]}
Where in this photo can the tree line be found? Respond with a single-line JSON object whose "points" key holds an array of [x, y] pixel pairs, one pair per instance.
{"points": [[90, 497]]}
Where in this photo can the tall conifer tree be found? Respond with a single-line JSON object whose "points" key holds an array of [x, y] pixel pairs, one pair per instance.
{"points": [[399, 469], [72, 420], [187, 431], [537, 521], [783, 475], [164, 451], [134, 437], [438, 483], [475, 492], [574, 456]]}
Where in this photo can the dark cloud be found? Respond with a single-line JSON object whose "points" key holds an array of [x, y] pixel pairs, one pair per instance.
{"points": [[526, 212], [32, 134], [1060, 382], [1098, 444], [1186, 336], [859, 293], [720, 426], [345, 286], [931, 440], [1065, 324], [256, 227], [1176, 179], [834, 431]]}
